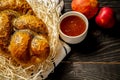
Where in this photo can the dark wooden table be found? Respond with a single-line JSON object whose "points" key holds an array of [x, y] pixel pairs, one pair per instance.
{"points": [[98, 56]]}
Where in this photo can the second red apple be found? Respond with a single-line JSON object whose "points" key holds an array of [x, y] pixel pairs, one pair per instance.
{"points": [[105, 18]]}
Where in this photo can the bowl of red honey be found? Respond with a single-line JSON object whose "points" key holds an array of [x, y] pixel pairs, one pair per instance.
{"points": [[73, 27]]}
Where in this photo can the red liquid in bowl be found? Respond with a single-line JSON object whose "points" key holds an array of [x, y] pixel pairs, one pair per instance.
{"points": [[72, 26]]}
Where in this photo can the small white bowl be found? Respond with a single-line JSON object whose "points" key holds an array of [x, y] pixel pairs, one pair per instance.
{"points": [[73, 39]]}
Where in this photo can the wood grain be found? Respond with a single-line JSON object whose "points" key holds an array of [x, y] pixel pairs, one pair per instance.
{"points": [[86, 71]]}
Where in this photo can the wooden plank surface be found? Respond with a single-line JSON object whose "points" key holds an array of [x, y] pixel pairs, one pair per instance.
{"points": [[98, 56], [86, 71]]}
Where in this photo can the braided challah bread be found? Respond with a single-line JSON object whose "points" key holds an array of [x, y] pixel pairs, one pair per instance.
{"points": [[20, 6], [22, 34]]}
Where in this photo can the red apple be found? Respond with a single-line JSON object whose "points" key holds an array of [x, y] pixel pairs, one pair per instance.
{"points": [[105, 18]]}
